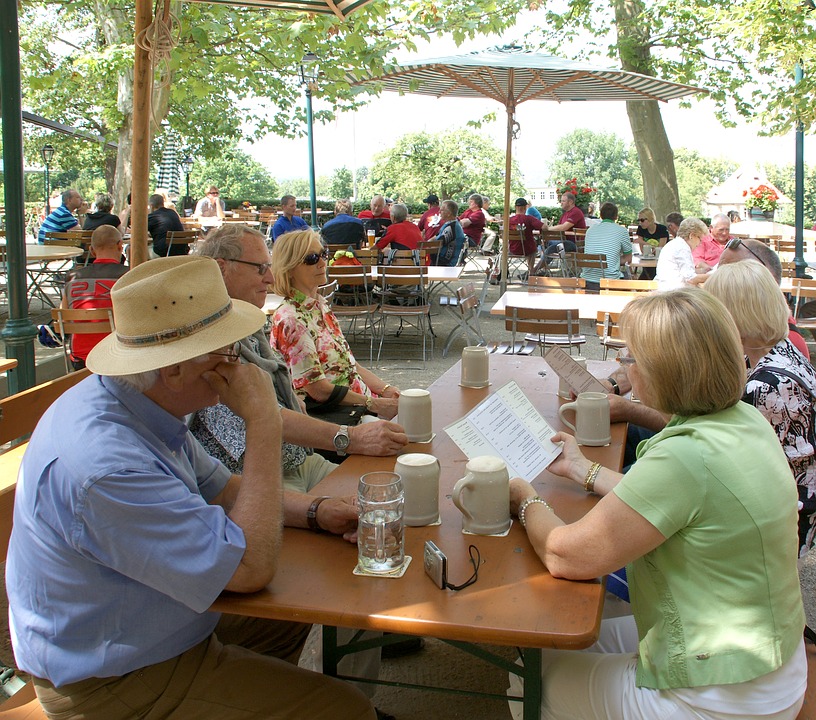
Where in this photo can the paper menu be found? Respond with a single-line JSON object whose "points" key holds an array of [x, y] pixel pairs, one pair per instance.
{"points": [[507, 425], [579, 379]]}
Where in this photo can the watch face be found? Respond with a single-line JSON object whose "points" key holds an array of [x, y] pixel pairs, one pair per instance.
{"points": [[341, 440]]}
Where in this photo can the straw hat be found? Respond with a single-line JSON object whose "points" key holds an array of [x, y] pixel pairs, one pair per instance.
{"points": [[170, 310]]}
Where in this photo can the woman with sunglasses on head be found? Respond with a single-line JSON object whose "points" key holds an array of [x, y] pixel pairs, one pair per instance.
{"points": [[306, 332], [704, 521], [781, 383]]}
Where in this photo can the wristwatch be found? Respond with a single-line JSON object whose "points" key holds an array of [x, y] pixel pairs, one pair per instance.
{"points": [[342, 440]]}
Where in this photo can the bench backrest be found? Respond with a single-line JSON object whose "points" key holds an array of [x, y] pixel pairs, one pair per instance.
{"points": [[20, 413]]}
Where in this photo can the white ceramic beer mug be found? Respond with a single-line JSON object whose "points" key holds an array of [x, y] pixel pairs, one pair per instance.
{"points": [[591, 418], [416, 415], [483, 496], [420, 482], [475, 367]]}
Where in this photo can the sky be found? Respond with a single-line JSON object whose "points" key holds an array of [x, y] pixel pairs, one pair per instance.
{"points": [[377, 126]]}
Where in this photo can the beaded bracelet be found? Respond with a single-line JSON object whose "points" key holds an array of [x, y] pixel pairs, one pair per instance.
{"points": [[592, 474], [526, 503]]}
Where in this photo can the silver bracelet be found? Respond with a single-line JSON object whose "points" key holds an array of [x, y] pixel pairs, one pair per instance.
{"points": [[526, 503]]}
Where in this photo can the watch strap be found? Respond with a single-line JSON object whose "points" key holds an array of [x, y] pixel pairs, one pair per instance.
{"points": [[311, 515]]}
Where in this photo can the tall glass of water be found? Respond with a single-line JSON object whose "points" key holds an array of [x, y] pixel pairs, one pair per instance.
{"points": [[380, 534]]}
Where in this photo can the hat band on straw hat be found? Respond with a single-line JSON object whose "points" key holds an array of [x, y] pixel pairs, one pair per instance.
{"points": [[174, 333]]}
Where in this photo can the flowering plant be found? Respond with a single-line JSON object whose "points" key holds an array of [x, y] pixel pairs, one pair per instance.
{"points": [[246, 204], [762, 197], [582, 191]]}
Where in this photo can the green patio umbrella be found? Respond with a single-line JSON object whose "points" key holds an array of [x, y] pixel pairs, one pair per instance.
{"points": [[511, 75]]}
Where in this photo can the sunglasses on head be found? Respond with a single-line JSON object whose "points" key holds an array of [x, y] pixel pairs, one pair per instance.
{"points": [[315, 257], [736, 244]]}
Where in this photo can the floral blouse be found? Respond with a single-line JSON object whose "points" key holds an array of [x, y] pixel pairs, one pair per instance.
{"points": [[306, 333], [789, 406]]}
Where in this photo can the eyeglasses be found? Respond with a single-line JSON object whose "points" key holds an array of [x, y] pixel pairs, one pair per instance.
{"points": [[314, 258], [214, 194], [262, 267], [736, 244], [625, 360], [643, 219], [232, 353]]}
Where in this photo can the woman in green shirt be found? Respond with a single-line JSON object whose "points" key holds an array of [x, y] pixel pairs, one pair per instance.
{"points": [[705, 521]]}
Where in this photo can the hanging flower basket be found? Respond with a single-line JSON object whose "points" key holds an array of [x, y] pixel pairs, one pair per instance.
{"points": [[761, 202]]}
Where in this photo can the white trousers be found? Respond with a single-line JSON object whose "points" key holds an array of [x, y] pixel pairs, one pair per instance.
{"points": [[599, 684]]}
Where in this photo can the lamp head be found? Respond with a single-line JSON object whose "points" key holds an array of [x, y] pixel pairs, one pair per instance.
{"points": [[47, 153]]}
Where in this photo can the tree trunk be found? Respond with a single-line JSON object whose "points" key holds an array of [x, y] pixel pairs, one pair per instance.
{"points": [[654, 151]]}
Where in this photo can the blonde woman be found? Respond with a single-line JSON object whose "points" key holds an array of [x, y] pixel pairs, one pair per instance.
{"points": [[781, 383], [704, 521], [306, 332], [675, 266], [649, 229]]}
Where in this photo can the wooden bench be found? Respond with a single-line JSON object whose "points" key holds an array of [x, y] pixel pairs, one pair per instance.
{"points": [[19, 415]]}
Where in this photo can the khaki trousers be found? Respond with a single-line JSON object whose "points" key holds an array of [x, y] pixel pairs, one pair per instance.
{"points": [[225, 677]]}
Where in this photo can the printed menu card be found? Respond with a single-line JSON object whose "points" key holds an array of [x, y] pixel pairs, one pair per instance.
{"points": [[508, 426]]}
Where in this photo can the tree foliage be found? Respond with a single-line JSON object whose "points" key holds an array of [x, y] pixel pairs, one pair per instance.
{"points": [[236, 175], [603, 161], [78, 65], [696, 176], [451, 164], [342, 183]]}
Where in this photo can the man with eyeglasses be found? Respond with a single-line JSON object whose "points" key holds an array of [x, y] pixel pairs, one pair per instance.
{"points": [[211, 205], [707, 254], [243, 257]]}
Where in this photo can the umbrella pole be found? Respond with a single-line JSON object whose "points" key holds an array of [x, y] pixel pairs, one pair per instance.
{"points": [[508, 159], [140, 157]]}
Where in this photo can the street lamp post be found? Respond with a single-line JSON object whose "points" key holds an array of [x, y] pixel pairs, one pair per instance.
{"points": [[306, 80], [187, 168], [47, 153]]}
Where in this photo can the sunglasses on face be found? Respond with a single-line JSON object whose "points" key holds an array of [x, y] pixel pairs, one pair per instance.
{"points": [[232, 353], [736, 243], [315, 257], [261, 267], [643, 220]]}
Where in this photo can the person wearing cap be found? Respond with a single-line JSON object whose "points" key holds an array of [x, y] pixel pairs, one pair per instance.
{"points": [[126, 531], [522, 242], [430, 221]]}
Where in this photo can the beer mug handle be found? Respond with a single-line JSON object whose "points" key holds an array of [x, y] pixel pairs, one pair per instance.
{"points": [[568, 406], [456, 495]]}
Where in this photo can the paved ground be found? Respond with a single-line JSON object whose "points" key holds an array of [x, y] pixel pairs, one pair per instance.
{"points": [[438, 663]]}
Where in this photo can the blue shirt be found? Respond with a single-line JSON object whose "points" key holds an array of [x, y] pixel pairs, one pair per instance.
{"points": [[61, 220], [285, 225], [115, 555], [533, 210]]}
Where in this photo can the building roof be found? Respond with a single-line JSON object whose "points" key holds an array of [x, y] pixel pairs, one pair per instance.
{"points": [[733, 190]]}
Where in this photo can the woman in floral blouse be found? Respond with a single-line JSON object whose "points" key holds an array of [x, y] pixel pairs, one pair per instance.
{"points": [[781, 382], [306, 332]]}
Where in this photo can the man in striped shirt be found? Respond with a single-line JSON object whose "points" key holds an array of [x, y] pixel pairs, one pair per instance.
{"points": [[609, 239], [62, 219]]}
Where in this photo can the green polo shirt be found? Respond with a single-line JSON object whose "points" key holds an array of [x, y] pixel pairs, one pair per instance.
{"points": [[718, 602]]}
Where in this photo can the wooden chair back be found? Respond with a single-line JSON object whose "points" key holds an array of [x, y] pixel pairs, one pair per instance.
{"points": [[20, 413], [789, 269], [541, 321], [334, 247], [624, 287], [367, 256], [570, 285], [804, 293], [586, 261], [606, 324], [430, 249], [181, 237], [406, 257], [80, 322], [783, 246]]}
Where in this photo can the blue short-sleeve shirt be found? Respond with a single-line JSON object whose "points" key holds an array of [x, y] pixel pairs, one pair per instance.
{"points": [[116, 554]]}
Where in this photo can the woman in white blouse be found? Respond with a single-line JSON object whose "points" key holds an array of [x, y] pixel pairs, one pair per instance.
{"points": [[675, 266]]}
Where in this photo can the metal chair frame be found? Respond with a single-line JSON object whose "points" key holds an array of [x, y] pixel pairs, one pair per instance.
{"points": [[465, 309], [405, 296]]}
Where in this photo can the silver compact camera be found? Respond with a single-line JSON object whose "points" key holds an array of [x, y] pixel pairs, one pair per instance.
{"points": [[436, 565]]}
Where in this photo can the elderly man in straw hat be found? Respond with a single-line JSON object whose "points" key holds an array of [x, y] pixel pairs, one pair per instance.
{"points": [[126, 531]]}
